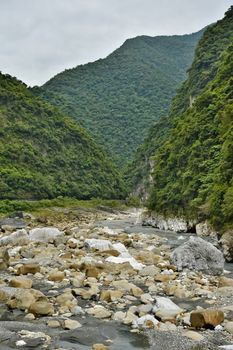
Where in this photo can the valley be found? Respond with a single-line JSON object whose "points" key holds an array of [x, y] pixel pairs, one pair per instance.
{"points": [[116, 199]]}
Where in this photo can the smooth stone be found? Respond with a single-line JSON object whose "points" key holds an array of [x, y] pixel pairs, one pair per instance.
{"points": [[99, 312], [20, 282], [111, 295], [56, 276], [28, 268], [119, 316], [71, 324], [136, 291], [147, 321], [53, 324], [129, 318], [29, 317], [41, 308], [146, 298]]}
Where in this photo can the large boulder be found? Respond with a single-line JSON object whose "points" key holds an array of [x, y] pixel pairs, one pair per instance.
{"points": [[20, 298], [198, 255], [44, 234], [208, 318]]}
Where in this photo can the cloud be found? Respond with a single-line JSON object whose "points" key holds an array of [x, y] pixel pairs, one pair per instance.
{"points": [[39, 38]]}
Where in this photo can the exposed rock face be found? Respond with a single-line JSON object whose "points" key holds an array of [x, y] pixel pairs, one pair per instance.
{"points": [[168, 224], [227, 244], [204, 229], [198, 255]]}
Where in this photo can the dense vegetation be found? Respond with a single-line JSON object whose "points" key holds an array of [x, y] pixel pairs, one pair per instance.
{"points": [[193, 162], [118, 98], [44, 154], [16, 206]]}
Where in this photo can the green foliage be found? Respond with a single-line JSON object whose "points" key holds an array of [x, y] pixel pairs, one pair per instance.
{"points": [[11, 206], [137, 173], [193, 172], [118, 98], [44, 154]]}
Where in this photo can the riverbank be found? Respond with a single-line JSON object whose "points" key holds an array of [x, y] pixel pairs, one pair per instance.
{"points": [[76, 277]]}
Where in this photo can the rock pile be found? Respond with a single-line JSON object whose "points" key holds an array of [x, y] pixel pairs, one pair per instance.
{"points": [[73, 273]]}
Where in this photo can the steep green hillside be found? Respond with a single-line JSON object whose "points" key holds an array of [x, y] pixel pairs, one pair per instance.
{"points": [[193, 169], [118, 98], [138, 173], [44, 154]]}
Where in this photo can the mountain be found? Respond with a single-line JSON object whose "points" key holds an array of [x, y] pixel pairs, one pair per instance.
{"points": [[44, 154], [192, 149], [118, 98]]}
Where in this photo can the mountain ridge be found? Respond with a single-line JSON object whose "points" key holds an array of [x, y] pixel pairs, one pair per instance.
{"points": [[119, 97], [44, 154]]}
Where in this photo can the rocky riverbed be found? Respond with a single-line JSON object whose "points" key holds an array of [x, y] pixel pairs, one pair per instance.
{"points": [[100, 280]]}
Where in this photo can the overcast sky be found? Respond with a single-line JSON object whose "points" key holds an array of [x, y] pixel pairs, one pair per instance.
{"points": [[39, 38]]}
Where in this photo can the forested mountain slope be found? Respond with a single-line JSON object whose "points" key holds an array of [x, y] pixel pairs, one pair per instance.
{"points": [[44, 154], [118, 98], [193, 162]]}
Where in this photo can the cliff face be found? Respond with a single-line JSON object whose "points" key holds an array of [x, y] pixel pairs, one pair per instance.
{"points": [[192, 151]]}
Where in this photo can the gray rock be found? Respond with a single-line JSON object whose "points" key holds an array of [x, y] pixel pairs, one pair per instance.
{"points": [[204, 229], [15, 223], [176, 224], [198, 255], [16, 238], [44, 234], [226, 242], [90, 334]]}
